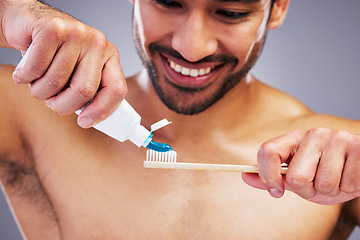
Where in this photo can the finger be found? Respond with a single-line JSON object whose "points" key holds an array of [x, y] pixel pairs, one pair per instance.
{"points": [[58, 74], [270, 157], [86, 78], [350, 182], [82, 88], [112, 91], [253, 180], [36, 61], [330, 169], [303, 166]]}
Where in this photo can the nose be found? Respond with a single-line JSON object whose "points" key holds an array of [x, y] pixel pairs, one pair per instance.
{"points": [[193, 38]]}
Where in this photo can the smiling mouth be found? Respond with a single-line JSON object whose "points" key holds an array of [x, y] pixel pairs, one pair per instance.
{"points": [[189, 71], [186, 74]]}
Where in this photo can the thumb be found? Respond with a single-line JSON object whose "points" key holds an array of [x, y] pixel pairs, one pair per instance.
{"points": [[253, 180]]}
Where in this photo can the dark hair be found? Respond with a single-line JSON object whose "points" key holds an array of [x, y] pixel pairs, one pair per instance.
{"points": [[272, 4]]}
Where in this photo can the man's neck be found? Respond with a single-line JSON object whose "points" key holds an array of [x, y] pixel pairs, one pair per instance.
{"points": [[236, 109]]}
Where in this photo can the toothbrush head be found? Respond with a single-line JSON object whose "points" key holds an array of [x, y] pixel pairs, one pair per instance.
{"points": [[155, 156]]}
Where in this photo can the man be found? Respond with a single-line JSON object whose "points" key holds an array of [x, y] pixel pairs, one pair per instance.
{"points": [[65, 182]]}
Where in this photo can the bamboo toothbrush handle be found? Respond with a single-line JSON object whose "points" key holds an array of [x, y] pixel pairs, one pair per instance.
{"points": [[206, 166]]}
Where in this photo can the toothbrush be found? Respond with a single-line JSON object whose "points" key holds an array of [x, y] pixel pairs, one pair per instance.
{"points": [[167, 160]]}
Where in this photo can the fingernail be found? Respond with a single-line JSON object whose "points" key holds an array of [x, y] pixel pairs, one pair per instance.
{"points": [[275, 192], [85, 122], [48, 105], [17, 81]]}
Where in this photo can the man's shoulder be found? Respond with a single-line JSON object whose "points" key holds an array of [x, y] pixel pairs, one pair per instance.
{"points": [[294, 114], [316, 120], [289, 108]]}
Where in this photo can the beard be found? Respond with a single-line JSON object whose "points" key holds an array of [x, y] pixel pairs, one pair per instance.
{"points": [[187, 100]]}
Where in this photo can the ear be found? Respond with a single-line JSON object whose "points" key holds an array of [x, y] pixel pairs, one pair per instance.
{"points": [[278, 13]]}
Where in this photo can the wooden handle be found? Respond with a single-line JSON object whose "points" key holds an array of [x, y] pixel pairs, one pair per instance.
{"points": [[206, 166]]}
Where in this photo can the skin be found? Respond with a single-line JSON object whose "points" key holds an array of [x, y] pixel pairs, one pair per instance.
{"points": [[66, 182], [62, 51]]}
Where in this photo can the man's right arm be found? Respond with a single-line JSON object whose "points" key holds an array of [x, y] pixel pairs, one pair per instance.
{"points": [[68, 63]]}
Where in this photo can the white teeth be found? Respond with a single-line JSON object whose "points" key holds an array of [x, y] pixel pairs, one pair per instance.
{"points": [[201, 72], [189, 72], [185, 71], [194, 73], [177, 68], [172, 64]]}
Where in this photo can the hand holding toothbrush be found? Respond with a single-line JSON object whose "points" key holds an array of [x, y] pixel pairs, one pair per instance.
{"points": [[65, 62], [324, 165]]}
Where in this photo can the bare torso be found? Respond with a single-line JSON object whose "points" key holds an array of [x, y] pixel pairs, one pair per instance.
{"points": [[80, 184]]}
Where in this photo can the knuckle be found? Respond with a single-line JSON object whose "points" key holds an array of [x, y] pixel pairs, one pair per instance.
{"points": [[99, 40], [267, 148], [326, 187], [119, 91], [349, 187], [79, 30], [297, 180], [55, 82], [317, 132], [339, 136], [35, 70], [354, 145], [86, 92], [56, 28], [114, 50]]}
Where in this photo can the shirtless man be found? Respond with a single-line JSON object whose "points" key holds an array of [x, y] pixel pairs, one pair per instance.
{"points": [[67, 182]]}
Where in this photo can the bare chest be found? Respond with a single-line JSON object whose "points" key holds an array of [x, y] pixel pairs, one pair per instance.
{"points": [[204, 205], [103, 194]]}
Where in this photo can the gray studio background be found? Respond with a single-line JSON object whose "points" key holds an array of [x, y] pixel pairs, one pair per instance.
{"points": [[314, 56]]}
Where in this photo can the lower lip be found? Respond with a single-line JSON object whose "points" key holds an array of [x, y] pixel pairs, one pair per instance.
{"points": [[187, 81]]}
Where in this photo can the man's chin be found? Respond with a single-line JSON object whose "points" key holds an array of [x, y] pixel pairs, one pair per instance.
{"points": [[187, 101], [189, 110]]}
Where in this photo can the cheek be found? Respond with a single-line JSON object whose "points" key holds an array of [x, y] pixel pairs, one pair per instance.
{"points": [[157, 28], [243, 39], [240, 44]]}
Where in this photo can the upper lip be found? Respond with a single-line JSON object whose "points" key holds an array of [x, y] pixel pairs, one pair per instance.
{"points": [[191, 65]]}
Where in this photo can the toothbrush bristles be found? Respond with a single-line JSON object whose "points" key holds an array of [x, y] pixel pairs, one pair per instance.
{"points": [[155, 156]]}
